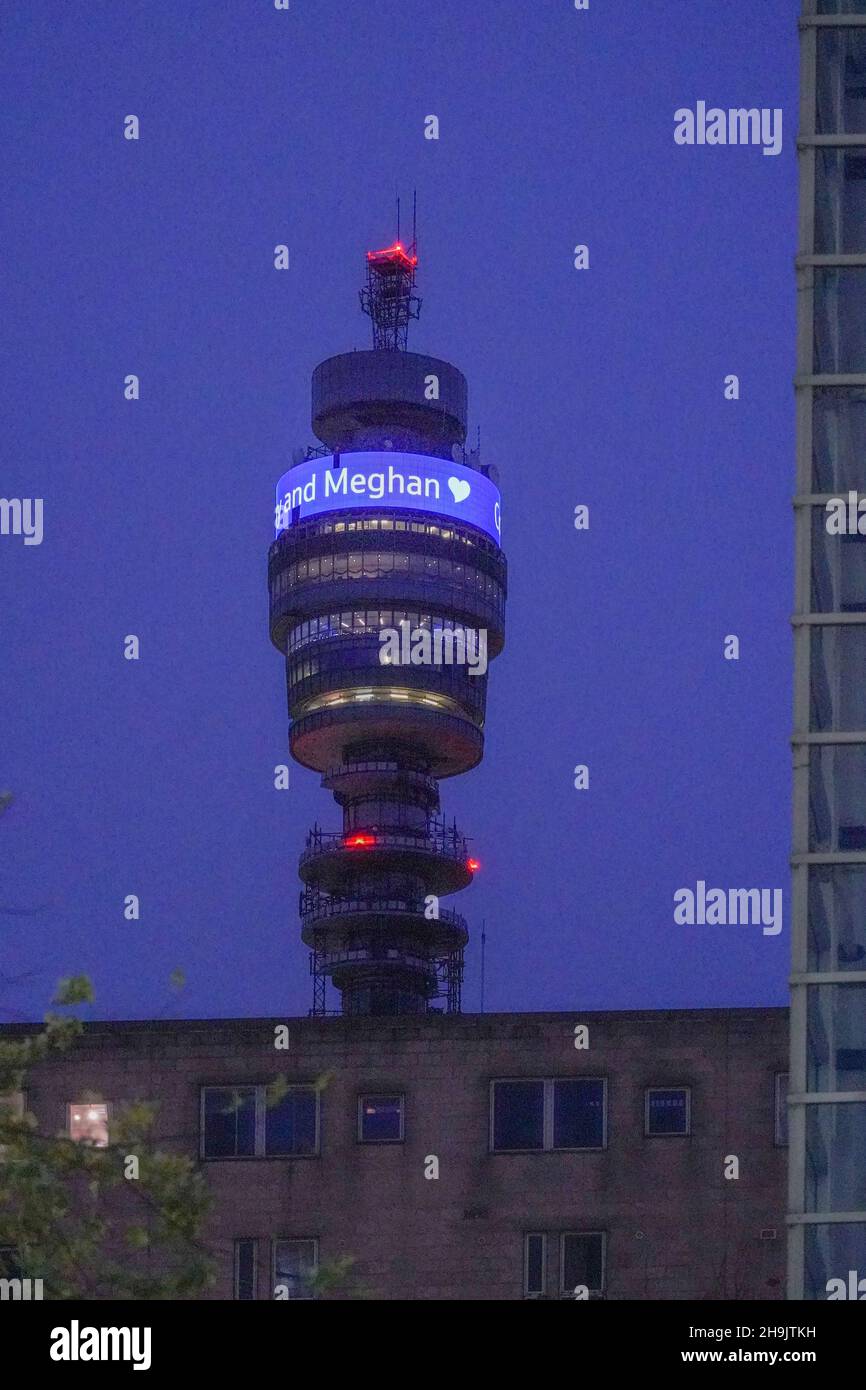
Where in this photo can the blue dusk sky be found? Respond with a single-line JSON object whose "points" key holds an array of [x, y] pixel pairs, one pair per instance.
{"points": [[602, 386]]}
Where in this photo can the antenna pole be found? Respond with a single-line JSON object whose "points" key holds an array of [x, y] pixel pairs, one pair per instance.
{"points": [[389, 296]]}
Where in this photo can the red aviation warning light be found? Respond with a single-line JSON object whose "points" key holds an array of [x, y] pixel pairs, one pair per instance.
{"points": [[472, 865], [392, 259], [359, 841], [389, 296]]}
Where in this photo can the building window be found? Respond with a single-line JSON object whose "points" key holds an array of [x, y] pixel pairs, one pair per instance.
{"points": [[840, 104], [248, 1122], [549, 1114], [380, 1119], [290, 1125], [229, 1122], [836, 1158], [295, 1264], [578, 1114], [781, 1108], [518, 1115], [667, 1110], [87, 1123], [581, 1262], [534, 1264], [245, 1270]]}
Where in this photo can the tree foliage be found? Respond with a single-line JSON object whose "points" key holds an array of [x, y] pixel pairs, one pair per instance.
{"points": [[115, 1222]]}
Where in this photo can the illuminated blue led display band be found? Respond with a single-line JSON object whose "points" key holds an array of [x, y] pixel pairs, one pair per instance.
{"points": [[388, 481]]}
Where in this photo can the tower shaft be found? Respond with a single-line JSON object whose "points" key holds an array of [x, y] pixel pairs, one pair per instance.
{"points": [[385, 569]]}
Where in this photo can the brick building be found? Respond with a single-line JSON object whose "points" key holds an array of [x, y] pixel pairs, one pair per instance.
{"points": [[464, 1157]]}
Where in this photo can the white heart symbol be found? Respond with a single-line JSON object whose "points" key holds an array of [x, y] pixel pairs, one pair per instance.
{"points": [[459, 490]]}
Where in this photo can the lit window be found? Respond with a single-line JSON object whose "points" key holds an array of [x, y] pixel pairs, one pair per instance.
{"points": [[380, 1119], [549, 1114], [381, 695], [245, 1269], [87, 1123], [781, 1108], [581, 1262], [246, 1122], [667, 1110], [295, 1263]]}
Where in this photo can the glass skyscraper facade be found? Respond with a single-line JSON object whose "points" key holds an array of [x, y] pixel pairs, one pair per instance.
{"points": [[827, 1097]]}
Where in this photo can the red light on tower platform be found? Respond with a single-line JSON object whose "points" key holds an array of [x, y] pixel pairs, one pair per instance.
{"points": [[389, 295], [472, 865], [359, 841], [392, 258]]}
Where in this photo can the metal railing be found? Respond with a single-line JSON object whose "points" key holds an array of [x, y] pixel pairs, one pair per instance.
{"points": [[315, 906], [437, 840], [386, 765]]}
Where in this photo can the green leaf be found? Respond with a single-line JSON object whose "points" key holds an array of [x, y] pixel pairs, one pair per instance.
{"points": [[76, 989], [276, 1090]]}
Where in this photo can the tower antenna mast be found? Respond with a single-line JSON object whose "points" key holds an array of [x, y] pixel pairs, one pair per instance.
{"points": [[414, 246], [389, 297]]}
